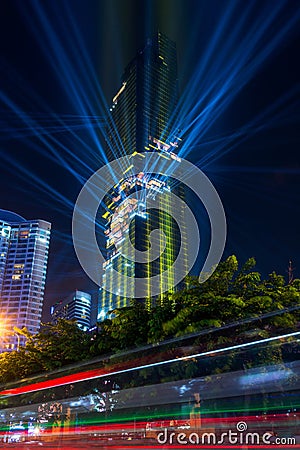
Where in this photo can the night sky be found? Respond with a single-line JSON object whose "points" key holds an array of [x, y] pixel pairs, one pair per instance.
{"points": [[238, 70]]}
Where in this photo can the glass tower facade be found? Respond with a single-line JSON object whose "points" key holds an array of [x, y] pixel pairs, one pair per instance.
{"points": [[76, 307], [142, 118], [142, 111], [24, 246]]}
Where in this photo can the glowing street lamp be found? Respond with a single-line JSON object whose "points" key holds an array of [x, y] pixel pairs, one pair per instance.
{"points": [[16, 333]]}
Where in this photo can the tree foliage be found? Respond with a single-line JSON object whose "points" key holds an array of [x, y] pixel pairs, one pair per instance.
{"points": [[54, 346], [236, 301]]}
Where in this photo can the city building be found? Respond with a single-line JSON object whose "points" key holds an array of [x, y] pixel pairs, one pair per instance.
{"points": [[24, 246], [76, 306], [143, 119], [143, 111]]}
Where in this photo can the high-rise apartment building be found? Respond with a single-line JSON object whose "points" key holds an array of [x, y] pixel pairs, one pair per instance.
{"points": [[24, 246], [142, 119], [76, 306]]}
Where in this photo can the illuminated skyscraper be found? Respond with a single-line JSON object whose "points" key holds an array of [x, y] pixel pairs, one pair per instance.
{"points": [[24, 248], [76, 307], [143, 108], [143, 114]]}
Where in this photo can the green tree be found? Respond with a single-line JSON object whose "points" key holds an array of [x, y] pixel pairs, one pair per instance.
{"points": [[127, 329], [58, 344], [54, 346]]}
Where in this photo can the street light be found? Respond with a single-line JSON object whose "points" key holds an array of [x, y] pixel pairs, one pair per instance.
{"points": [[18, 341], [16, 333]]}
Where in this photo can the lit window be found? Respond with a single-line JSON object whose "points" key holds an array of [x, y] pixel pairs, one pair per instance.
{"points": [[16, 277]]}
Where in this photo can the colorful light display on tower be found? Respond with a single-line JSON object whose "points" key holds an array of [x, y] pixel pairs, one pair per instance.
{"points": [[142, 118]]}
